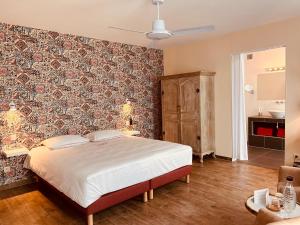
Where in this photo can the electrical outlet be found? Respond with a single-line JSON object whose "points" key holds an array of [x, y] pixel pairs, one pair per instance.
{"points": [[6, 169]]}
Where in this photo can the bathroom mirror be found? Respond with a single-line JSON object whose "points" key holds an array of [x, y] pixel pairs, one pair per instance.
{"points": [[271, 86]]}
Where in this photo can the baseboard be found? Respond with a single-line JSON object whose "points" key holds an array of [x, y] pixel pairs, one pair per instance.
{"points": [[223, 157], [17, 184]]}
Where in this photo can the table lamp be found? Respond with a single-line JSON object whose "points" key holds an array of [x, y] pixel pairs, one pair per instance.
{"points": [[13, 118], [127, 112]]}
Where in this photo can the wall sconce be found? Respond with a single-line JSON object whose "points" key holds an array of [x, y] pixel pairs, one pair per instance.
{"points": [[127, 112], [249, 88], [13, 118]]}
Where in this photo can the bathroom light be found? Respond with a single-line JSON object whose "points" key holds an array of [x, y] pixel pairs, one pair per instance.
{"points": [[272, 69]]}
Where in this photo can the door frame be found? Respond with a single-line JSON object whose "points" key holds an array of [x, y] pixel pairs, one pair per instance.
{"points": [[232, 87]]}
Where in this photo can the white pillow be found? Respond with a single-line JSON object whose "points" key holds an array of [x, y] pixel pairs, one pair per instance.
{"points": [[104, 135], [64, 141]]}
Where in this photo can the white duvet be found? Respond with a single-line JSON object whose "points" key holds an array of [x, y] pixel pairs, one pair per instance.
{"points": [[86, 172]]}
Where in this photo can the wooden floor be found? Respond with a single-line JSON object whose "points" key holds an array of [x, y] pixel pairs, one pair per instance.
{"points": [[215, 196], [265, 157]]}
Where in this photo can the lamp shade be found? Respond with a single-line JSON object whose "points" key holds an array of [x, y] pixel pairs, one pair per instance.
{"points": [[127, 109], [12, 116], [12, 106]]}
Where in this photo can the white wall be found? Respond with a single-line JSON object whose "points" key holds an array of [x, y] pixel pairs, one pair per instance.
{"points": [[215, 55]]}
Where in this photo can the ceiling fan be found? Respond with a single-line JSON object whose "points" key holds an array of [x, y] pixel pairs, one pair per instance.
{"points": [[159, 30]]}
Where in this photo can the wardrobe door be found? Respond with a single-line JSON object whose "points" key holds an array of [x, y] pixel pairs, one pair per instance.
{"points": [[189, 112], [207, 114], [170, 108]]}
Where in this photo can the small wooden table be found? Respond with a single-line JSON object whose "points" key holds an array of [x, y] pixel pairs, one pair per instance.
{"points": [[254, 208]]}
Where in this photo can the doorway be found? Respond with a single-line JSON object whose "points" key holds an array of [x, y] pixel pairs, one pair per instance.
{"points": [[263, 98]]}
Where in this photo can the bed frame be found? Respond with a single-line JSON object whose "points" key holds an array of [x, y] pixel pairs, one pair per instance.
{"points": [[124, 194]]}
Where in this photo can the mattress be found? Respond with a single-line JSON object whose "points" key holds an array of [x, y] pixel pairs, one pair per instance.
{"points": [[86, 172]]}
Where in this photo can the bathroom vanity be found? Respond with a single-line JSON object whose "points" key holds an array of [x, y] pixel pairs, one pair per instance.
{"points": [[266, 132]]}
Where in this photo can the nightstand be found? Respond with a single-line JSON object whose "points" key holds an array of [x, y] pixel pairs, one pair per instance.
{"points": [[12, 171], [18, 151], [131, 132]]}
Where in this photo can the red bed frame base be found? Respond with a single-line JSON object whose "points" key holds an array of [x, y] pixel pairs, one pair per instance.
{"points": [[170, 177], [124, 194]]}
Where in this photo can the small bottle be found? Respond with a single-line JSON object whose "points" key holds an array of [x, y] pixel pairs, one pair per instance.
{"points": [[289, 195], [260, 111]]}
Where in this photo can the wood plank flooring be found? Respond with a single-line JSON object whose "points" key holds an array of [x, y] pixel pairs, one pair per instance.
{"points": [[265, 157], [215, 196]]}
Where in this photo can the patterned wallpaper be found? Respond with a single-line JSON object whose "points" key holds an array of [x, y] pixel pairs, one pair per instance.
{"points": [[66, 84]]}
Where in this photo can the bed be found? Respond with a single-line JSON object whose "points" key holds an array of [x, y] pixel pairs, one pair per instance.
{"points": [[96, 175]]}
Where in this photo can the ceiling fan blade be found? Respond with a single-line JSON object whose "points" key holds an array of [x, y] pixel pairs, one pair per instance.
{"points": [[193, 30], [128, 30]]}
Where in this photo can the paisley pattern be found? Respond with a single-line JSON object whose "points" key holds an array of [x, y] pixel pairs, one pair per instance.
{"points": [[17, 172], [66, 84]]}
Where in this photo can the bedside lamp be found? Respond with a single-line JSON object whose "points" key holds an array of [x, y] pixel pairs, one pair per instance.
{"points": [[13, 118], [127, 112]]}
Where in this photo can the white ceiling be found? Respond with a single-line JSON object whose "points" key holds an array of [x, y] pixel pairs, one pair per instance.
{"points": [[92, 17]]}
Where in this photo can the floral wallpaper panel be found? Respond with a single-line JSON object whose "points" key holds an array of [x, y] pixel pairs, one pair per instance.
{"points": [[67, 84]]}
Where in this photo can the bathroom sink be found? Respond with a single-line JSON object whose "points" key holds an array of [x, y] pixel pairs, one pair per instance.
{"points": [[277, 114]]}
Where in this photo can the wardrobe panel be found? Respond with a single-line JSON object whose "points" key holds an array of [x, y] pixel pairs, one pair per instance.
{"points": [[170, 107]]}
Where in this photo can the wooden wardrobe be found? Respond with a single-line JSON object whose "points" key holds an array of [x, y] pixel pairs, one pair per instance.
{"points": [[188, 111]]}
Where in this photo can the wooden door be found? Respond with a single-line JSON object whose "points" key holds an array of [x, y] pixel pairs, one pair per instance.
{"points": [[189, 112], [170, 93]]}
